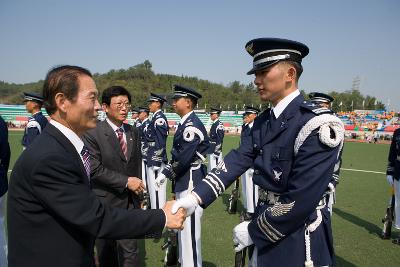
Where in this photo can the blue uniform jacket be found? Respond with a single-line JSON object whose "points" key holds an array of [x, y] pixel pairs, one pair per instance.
{"points": [[189, 149], [217, 132], [32, 130], [157, 140], [143, 130], [5, 154], [278, 229], [393, 167]]}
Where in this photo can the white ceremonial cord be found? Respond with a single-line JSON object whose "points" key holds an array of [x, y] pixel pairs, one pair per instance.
{"points": [[325, 123], [311, 228]]}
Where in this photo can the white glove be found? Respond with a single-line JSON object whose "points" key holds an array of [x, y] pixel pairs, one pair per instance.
{"points": [[241, 236], [160, 180], [390, 179], [189, 203], [156, 168]]}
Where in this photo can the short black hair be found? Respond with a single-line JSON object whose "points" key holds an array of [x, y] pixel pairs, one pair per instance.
{"points": [[112, 91]]}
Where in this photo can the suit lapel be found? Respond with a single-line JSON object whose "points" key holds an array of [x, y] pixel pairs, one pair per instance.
{"points": [[112, 139], [64, 141]]}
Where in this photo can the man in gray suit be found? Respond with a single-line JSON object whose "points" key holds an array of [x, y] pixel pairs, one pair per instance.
{"points": [[116, 163]]}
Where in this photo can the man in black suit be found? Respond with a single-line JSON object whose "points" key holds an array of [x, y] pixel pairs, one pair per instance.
{"points": [[4, 162], [116, 163], [53, 216]]}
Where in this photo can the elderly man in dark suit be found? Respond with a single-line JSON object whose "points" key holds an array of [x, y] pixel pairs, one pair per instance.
{"points": [[53, 216], [4, 162], [116, 163]]}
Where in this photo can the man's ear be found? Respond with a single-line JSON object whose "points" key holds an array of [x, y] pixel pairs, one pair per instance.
{"points": [[104, 107], [62, 102], [291, 73]]}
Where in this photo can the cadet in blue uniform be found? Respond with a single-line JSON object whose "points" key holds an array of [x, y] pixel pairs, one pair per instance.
{"points": [[249, 189], [143, 125], [36, 122], [135, 117], [157, 133], [5, 154], [186, 168], [393, 177], [217, 132], [294, 148], [325, 101]]}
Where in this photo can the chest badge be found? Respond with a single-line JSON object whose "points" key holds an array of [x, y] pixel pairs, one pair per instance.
{"points": [[277, 174]]}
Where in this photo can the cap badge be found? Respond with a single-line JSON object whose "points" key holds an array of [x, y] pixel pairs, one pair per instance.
{"points": [[249, 48]]}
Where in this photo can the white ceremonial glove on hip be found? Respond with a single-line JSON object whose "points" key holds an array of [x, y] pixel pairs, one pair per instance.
{"points": [[241, 236], [156, 168], [189, 203], [160, 180], [390, 179]]}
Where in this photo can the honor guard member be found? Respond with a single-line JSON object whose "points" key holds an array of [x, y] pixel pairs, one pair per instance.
{"points": [[143, 122], [249, 189], [217, 132], [135, 117], [156, 153], [36, 122], [294, 148], [187, 169], [393, 177], [325, 101], [321, 99], [5, 154]]}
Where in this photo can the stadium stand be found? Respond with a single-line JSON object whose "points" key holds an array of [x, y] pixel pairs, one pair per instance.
{"points": [[358, 123]]}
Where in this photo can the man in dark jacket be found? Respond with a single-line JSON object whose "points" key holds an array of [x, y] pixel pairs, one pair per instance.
{"points": [[53, 216]]}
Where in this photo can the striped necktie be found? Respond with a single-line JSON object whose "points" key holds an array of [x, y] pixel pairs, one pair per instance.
{"points": [[122, 142], [86, 160]]}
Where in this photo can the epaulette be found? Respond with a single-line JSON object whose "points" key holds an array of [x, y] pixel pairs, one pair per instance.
{"points": [[314, 108]]}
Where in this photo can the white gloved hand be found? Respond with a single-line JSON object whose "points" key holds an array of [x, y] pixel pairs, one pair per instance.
{"points": [[390, 179], [241, 236], [156, 168], [160, 180], [189, 203]]}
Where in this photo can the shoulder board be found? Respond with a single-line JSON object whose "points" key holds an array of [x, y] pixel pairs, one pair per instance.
{"points": [[314, 108]]}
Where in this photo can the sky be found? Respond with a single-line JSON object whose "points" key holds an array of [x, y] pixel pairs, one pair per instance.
{"points": [[206, 39]]}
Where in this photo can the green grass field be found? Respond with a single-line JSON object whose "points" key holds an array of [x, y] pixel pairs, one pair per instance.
{"points": [[361, 203]]}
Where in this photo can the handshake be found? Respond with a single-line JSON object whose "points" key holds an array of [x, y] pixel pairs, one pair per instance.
{"points": [[177, 211]]}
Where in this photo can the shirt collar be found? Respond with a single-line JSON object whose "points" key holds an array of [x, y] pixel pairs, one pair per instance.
{"points": [[156, 112], [281, 106], [250, 124], [183, 119], [144, 120], [115, 127], [71, 135]]}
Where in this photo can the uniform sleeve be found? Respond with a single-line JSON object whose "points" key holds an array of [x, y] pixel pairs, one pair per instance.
{"points": [[58, 185], [158, 150], [100, 174], [220, 139], [310, 175], [233, 165], [183, 158], [392, 155], [33, 129], [4, 157]]}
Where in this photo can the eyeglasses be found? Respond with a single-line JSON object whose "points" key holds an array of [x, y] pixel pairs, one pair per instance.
{"points": [[120, 105]]}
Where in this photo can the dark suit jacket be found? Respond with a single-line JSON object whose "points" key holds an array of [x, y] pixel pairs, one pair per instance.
{"points": [[109, 167], [54, 217]]}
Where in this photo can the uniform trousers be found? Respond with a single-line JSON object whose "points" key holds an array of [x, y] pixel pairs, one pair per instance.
{"points": [[189, 238], [3, 242], [396, 185], [213, 161], [157, 197], [118, 253], [250, 191]]}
